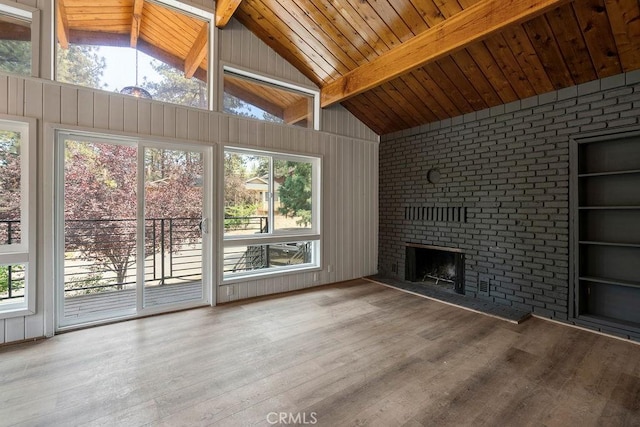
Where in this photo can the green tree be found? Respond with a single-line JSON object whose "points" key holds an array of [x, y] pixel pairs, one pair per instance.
{"points": [[16, 57], [295, 190], [174, 88], [81, 65]]}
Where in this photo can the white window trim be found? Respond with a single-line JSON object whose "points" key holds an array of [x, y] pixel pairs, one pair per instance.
{"points": [[25, 251], [261, 78], [314, 235], [29, 14]]}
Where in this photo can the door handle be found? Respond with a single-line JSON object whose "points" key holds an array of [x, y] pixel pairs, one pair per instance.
{"points": [[203, 226]]}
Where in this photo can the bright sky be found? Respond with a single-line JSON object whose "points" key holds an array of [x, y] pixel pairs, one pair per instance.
{"points": [[121, 67]]}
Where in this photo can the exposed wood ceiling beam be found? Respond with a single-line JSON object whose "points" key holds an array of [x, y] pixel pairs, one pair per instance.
{"points": [[225, 10], [136, 20], [462, 29], [248, 96], [197, 53], [297, 112], [62, 24]]}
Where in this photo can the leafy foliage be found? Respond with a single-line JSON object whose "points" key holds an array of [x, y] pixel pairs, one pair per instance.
{"points": [[295, 191], [174, 88], [16, 57], [81, 65]]}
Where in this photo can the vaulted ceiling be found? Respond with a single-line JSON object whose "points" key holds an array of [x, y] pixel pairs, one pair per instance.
{"points": [[467, 55], [394, 64]]}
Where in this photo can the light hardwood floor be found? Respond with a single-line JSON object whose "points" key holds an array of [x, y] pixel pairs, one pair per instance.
{"points": [[349, 354]]}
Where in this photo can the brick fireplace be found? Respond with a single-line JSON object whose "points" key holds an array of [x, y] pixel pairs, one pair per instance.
{"points": [[436, 266], [502, 191]]}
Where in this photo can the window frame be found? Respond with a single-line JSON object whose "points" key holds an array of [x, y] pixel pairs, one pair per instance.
{"points": [[25, 251], [20, 11], [181, 7], [274, 82], [313, 235]]}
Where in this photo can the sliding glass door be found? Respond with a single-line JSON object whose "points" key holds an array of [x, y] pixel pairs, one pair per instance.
{"points": [[131, 224]]}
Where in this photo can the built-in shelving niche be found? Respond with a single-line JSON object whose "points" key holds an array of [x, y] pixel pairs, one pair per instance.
{"points": [[607, 233]]}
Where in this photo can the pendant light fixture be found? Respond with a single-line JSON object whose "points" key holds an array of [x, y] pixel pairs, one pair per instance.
{"points": [[136, 90]]}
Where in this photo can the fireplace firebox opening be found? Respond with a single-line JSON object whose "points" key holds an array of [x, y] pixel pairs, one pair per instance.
{"points": [[435, 265]]}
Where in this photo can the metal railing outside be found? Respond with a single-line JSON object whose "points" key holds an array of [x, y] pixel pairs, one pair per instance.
{"points": [[12, 277]]}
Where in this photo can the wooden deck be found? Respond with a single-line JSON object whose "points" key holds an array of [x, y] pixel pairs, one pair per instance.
{"points": [[116, 301], [350, 354]]}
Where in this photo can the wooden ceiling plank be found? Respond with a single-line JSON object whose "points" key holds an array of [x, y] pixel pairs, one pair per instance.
{"points": [[474, 75], [448, 86], [11, 31], [298, 111], [236, 89], [136, 20], [407, 12], [547, 49], [359, 107], [299, 22], [288, 39], [394, 113], [472, 24], [527, 57], [466, 88], [62, 24], [326, 17], [429, 12], [413, 97], [594, 22], [225, 10], [249, 17], [425, 97], [492, 72], [436, 92], [511, 68], [198, 52], [364, 30], [409, 107], [569, 37], [624, 16], [380, 28]]}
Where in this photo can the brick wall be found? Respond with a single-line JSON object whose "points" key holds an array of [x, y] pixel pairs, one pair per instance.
{"points": [[508, 168]]}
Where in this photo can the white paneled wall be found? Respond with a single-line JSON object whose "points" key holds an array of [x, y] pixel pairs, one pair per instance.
{"points": [[349, 211]]}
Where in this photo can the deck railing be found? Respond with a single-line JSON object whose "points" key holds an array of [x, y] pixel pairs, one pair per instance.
{"points": [[11, 276]]}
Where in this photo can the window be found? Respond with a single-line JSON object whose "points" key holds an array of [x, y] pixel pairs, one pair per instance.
{"points": [[18, 30], [161, 51], [17, 207], [271, 212], [250, 95]]}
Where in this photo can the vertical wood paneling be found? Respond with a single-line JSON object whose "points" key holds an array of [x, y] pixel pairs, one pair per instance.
{"points": [[4, 95], [69, 105], [14, 329], [144, 118], [33, 98], [157, 119], [101, 110], [130, 106], [51, 104], [15, 105], [2, 329], [116, 114], [169, 121], [181, 123], [85, 108]]}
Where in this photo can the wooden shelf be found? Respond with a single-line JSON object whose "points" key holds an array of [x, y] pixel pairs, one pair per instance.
{"points": [[602, 280], [624, 245], [610, 173], [607, 207]]}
